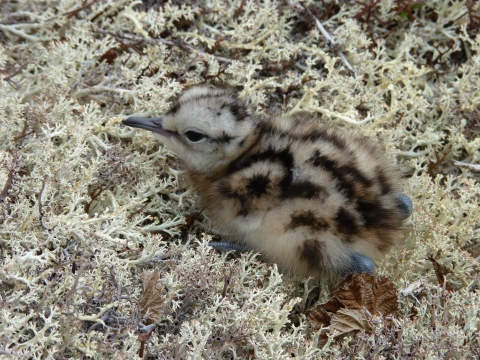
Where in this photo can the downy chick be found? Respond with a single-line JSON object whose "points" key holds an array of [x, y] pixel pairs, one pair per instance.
{"points": [[316, 200]]}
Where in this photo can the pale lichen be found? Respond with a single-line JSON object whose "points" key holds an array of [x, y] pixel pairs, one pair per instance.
{"points": [[87, 204]]}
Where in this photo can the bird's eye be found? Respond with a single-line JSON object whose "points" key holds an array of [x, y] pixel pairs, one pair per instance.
{"points": [[194, 136]]}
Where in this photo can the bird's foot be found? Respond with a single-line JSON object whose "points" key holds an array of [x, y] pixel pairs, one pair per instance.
{"points": [[359, 264], [404, 203]]}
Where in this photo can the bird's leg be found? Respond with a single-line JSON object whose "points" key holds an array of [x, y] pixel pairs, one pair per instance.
{"points": [[227, 246]]}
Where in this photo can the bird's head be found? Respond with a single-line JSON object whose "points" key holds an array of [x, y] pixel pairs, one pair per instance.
{"points": [[206, 127]]}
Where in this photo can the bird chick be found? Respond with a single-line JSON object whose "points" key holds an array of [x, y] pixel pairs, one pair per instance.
{"points": [[316, 200]]}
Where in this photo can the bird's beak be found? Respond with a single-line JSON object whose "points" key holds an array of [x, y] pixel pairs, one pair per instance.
{"points": [[152, 124]]}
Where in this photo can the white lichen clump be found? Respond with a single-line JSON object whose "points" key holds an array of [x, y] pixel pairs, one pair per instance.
{"points": [[89, 205]]}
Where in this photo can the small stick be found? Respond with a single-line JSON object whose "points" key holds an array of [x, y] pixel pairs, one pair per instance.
{"points": [[9, 183], [117, 284], [226, 281], [9, 77], [73, 290], [138, 211], [330, 41], [40, 206], [3, 350], [7, 187], [239, 9], [473, 167], [178, 43], [73, 13]]}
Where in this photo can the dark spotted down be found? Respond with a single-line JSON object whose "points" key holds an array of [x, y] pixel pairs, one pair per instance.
{"points": [[312, 252], [258, 185], [304, 190], [346, 222], [174, 108], [226, 138], [306, 219]]}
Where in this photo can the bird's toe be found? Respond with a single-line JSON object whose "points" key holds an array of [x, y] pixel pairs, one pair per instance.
{"points": [[405, 205], [359, 264]]}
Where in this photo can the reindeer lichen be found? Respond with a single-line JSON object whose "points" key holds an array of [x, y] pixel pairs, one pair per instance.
{"points": [[88, 205]]}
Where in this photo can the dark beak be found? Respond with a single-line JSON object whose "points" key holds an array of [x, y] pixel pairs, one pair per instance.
{"points": [[151, 124]]}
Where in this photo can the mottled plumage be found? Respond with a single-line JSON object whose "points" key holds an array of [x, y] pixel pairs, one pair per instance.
{"points": [[314, 199]]}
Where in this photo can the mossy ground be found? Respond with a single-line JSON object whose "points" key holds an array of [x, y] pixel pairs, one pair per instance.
{"points": [[88, 205]]}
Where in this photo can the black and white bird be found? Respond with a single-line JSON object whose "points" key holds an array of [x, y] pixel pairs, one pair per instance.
{"points": [[316, 200]]}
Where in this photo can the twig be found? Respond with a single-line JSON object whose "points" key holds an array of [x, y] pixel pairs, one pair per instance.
{"points": [[138, 211], [40, 205], [101, 188], [73, 13], [440, 271], [9, 183], [143, 338], [473, 167], [117, 284], [177, 43], [9, 77], [3, 350], [330, 41], [239, 9], [24, 131], [8, 186], [73, 290], [226, 282]]}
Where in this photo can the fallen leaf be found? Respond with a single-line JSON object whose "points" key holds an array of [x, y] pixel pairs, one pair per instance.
{"points": [[356, 300], [319, 317], [346, 320], [151, 304], [377, 294]]}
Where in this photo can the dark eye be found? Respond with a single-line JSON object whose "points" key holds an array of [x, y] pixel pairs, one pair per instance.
{"points": [[194, 136]]}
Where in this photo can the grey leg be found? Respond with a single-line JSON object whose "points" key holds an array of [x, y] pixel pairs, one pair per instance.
{"points": [[405, 205], [226, 246]]}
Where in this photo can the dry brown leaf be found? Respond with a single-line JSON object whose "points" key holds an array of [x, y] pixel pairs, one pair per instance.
{"points": [[319, 317], [151, 304], [440, 271], [346, 320], [357, 294], [377, 294]]}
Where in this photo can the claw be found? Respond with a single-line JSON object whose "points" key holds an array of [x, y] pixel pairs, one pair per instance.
{"points": [[226, 246], [360, 264], [405, 205]]}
